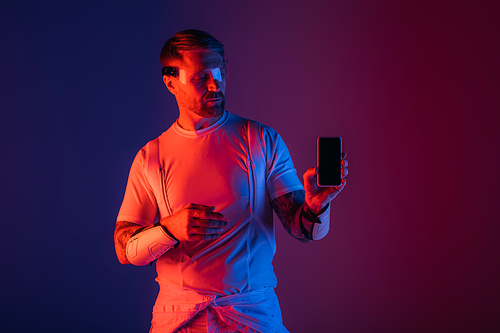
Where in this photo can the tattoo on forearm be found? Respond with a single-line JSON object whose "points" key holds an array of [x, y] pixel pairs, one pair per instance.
{"points": [[123, 232], [288, 207]]}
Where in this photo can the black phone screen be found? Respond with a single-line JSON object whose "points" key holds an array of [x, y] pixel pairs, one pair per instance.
{"points": [[329, 159]]}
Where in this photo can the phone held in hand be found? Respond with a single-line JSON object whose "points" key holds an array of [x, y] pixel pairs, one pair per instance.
{"points": [[329, 153]]}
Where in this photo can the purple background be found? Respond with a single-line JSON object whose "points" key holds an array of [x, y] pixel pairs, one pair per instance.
{"points": [[411, 86]]}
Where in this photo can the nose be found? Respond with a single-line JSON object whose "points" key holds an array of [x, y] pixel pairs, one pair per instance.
{"points": [[213, 84]]}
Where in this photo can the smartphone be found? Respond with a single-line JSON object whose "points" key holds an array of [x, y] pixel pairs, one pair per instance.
{"points": [[329, 159]]}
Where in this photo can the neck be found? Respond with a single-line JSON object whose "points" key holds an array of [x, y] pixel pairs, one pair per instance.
{"points": [[194, 122]]}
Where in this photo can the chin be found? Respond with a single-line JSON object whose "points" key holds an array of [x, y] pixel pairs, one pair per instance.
{"points": [[211, 112]]}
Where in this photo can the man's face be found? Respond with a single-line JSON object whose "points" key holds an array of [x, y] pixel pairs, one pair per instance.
{"points": [[201, 93]]}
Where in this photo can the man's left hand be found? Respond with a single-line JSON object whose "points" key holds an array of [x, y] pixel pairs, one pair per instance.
{"points": [[318, 197]]}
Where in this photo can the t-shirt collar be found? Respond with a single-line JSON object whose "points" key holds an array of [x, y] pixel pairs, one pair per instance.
{"points": [[194, 134]]}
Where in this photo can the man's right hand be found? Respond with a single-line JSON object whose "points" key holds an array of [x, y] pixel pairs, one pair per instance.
{"points": [[195, 222]]}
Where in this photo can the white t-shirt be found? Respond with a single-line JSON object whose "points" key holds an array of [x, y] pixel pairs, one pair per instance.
{"points": [[216, 166]]}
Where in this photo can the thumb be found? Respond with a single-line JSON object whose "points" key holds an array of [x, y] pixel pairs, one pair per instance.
{"points": [[310, 174]]}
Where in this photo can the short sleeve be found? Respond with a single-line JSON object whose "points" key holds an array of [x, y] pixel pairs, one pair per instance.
{"points": [[139, 203], [281, 176]]}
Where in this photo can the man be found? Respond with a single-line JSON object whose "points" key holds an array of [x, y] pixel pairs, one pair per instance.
{"points": [[212, 180]]}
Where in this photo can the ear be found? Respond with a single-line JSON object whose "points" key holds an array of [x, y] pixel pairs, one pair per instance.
{"points": [[170, 84]]}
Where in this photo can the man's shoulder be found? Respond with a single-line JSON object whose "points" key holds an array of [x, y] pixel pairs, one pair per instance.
{"points": [[159, 139], [148, 145], [151, 145], [257, 125]]}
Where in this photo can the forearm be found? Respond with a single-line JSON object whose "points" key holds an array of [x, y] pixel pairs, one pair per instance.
{"points": [[140, 246], [288, 208], [297, 226], [123, 231], [300, 220]]}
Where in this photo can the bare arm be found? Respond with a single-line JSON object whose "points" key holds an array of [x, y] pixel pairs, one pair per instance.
{"points": [[123, 231], [193, 222], [297, 209], [288, 207]]}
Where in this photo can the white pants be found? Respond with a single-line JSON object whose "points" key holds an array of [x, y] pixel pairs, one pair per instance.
{"points": [[187, 311]]}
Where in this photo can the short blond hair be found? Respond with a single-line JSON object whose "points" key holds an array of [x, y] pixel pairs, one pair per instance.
{"points": [[189, 40]]}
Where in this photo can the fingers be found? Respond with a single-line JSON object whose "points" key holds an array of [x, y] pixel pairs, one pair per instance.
{"points": [[344, 160], [200, 207], [204, 223], [344, 172], [341, 187], [197, 232], [210, 232], [311, 173], [344, 164], [206, 228], [208, 222], [195, 222], [207, 215]]}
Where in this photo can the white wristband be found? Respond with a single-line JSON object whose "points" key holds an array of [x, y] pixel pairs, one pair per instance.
{"points": [[321, 229], [148, 245]]}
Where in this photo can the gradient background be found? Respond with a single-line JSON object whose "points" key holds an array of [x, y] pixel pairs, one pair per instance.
{"points": [[411, 86]]}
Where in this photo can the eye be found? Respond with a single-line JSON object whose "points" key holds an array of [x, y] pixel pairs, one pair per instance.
{"points": [[198, 78]]}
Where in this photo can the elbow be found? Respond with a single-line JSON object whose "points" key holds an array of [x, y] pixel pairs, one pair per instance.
{"points": [[305, 240], [121, 254], [122, 257], [123, 261]]}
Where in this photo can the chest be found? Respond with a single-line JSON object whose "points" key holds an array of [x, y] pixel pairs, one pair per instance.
{"points": [[212, 170]]}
